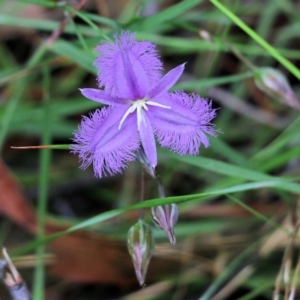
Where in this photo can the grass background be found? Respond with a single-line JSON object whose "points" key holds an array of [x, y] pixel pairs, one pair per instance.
{"points": [[238, 200]]}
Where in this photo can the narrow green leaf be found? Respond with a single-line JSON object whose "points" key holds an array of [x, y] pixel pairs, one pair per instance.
{"points": [[146, 204], [45, 3], [41, 24], [237, 172], [271, 50], [78, 56], [205, 83], [45, 157], [167, 15]]}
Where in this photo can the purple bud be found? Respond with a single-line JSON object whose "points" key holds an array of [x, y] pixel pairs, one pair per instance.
{"points": [[165, 218], [274, 84], [145, 162], [140, 244]]}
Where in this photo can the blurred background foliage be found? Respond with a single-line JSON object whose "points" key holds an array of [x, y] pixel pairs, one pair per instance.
{"points": [[237, 233]]}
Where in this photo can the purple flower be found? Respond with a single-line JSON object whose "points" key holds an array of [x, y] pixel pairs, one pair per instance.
{"points": [[139, 108]]}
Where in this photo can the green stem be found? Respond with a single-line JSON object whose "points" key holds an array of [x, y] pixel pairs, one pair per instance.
{"points": [[45, 156]]}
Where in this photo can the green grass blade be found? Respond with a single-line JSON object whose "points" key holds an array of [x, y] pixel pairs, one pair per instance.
{"points": [[45, 157], [237, 172], [146, 204], [78, 56], [167, 15], [273, 52]]}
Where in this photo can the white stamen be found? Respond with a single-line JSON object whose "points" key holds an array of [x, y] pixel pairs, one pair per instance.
{"points": [[138, 105], [157, 104], [130, 110]]}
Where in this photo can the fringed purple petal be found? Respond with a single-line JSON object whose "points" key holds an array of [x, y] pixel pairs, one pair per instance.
{"points": [[183, 128], [102, 97], [99, 141], [142, 58], [135, 76], [147, 140], [167, 82]]}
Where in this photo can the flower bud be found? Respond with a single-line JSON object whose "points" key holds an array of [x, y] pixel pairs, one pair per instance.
{"points": [[165, 217], [274, 84], [205, 35], [140, 244], [145, 162]]}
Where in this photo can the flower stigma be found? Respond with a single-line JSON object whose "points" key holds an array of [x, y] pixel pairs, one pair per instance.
{"points": [[139, 105]]}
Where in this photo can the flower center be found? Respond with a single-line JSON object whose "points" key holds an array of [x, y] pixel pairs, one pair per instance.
{"points": [[139, 105]]}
